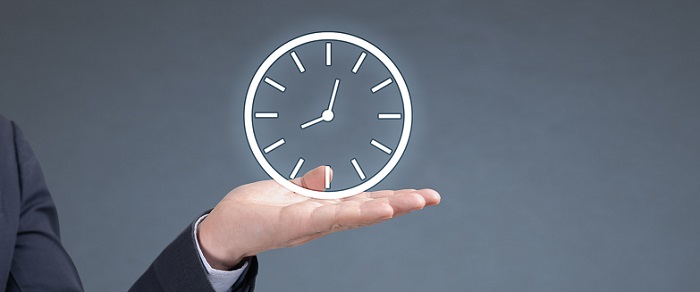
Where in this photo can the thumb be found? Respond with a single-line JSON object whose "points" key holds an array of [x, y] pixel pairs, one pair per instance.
{"points": [[315, 179]]}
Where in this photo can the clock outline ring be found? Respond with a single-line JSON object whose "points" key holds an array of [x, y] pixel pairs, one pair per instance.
{"points": [[386, 62]]}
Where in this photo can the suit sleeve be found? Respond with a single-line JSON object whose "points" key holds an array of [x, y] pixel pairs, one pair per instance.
{"points": [[179, 268], [39, 263]]}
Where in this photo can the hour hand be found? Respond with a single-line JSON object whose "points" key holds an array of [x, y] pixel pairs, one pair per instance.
{"points": [[326, 116], [312, 122]]}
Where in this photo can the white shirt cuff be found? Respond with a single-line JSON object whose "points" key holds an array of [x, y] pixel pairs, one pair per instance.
{"points": [[221, 280]]}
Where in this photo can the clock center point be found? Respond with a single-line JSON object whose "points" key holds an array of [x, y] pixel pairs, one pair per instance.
{"points": [[327, 115]]}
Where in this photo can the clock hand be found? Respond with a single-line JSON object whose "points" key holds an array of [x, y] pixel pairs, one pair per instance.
{"points": [[335, 91], [312, 122]]}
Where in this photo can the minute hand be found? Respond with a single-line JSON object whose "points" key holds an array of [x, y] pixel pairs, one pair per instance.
{"points": [[335, 91]]}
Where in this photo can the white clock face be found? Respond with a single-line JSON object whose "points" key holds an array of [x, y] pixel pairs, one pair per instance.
{"points": [[333, 99]]}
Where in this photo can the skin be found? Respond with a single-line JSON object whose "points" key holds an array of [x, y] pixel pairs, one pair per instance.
{"points": [[261, 216]]}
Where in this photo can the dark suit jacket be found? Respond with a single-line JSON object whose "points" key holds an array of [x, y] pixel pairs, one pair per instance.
{"points": [[31, 255]]}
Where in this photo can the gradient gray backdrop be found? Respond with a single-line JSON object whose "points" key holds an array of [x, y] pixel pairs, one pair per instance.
{"points": [[562, 135]]}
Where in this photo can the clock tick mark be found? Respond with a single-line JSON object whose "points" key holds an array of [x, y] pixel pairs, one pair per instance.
{"points": [[389, 116], [296, 168], [381, 85], [359, 171], [274, 84], [274, 146], [359, 62], [380, 146], [328, 176], [261, 115], [297, 62], [328, 54]]}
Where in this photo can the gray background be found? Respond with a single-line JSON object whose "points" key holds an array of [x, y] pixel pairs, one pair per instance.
{"points": [[563, 136]]}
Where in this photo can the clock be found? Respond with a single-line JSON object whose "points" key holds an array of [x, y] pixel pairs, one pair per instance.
{"points": [[333, 99]]}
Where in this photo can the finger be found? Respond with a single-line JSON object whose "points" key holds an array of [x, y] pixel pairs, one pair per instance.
{"points": [[402, 201], [431, 197], [315, 179], [386, 193], [379, 194], [405, 202]]}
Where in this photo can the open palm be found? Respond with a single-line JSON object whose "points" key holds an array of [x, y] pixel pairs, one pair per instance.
{"points": [[264, 215]]}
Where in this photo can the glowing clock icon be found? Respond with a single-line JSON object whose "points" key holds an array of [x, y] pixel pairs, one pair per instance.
{"points": [[328, 98]]}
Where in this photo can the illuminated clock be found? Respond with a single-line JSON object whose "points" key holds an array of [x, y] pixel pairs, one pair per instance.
{"points": [[328, 98]]}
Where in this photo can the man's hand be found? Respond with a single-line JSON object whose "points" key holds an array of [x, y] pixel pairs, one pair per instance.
{"points": [[264, 215]]}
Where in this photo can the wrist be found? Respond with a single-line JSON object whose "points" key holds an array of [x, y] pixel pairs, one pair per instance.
{"points": [[217, 254]]}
